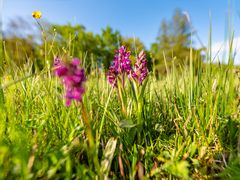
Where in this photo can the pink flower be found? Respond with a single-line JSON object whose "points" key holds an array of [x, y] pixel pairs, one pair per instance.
{"points": [[73, 78], [121, 65], [140, 70]]}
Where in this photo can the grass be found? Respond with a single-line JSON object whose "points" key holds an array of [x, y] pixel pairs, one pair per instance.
{"points": [[189, 126]]}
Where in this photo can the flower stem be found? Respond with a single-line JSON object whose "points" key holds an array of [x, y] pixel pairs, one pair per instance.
{"points": [[92, 146]]}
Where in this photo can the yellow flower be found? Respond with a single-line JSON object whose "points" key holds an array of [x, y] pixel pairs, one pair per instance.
{"points": [[7, 78], [37, 14]]}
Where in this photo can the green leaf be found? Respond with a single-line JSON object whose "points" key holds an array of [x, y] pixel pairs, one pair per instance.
{"points": [[108, 156], [133, 90], [1, 94], [143, 87], [126, 124], [179, 169]]}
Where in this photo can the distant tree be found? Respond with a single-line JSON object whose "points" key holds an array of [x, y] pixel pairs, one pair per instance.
{"points": [[108, 41], [75, 41], [173, 43], [95, 50]]}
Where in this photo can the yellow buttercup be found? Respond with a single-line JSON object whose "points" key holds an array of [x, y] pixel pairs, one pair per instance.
{"points": [[37, 14]]}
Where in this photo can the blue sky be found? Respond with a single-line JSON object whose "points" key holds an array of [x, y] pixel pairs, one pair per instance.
{"points": [[139, 18]]}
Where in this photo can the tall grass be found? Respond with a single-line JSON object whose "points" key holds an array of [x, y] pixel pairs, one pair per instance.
{"points": [[190, 126]]}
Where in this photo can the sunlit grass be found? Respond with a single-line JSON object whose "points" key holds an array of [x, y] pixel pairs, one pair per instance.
{"points": [[189, 124]]}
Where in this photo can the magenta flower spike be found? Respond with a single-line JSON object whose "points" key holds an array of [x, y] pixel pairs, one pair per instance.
{"points": [[121, 65], [59, 68], [73, 78], [112, 76], [140, 70]]}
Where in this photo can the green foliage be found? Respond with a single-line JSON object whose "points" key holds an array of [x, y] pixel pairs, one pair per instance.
{"points": [[109, 41], [97, 50], [20, 51], [178, 169], [189, 120], [190, 127]]}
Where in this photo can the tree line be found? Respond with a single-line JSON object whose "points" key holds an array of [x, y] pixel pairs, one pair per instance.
{"points": [[172, 45]]}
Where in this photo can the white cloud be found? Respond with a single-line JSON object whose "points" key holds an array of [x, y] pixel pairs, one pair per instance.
{"points": [[220, 51]]}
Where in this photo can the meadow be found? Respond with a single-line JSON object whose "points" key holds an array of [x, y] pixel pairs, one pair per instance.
{"points": [[181, 125]]}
